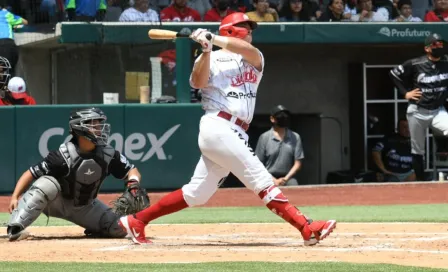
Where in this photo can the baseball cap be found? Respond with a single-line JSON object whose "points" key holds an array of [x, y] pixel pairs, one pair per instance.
{"points": [[278, 109], [433, 37], [17, 87]]}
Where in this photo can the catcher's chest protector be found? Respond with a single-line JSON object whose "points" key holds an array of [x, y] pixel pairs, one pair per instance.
{"points": [[86, 174]]}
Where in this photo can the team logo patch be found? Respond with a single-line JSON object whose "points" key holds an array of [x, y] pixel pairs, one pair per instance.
{"points": [[232, 95], [241, 95]]}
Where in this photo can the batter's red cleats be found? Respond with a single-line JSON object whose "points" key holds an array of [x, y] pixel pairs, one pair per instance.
{"points": [[317, 231], [135, 229]]}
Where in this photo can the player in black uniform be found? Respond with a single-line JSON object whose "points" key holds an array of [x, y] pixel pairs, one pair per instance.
{"points": [[392, 155], [68, 181], [424, 81]]}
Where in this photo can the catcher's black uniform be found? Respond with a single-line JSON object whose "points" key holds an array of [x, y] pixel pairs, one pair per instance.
{"points": [[80, 176]]}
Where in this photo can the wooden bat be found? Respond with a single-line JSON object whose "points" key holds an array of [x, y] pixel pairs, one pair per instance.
{"points": [[163, 34]]}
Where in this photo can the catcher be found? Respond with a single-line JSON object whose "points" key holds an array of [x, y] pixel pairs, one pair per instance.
{"points": [[68, 181]]}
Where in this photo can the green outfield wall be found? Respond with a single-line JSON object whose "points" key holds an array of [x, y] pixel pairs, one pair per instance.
{"points": [[158, 139]]}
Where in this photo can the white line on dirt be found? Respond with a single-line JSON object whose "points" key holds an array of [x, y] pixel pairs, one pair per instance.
{"points": [[258, 249], [249, 237], [271, 223]]}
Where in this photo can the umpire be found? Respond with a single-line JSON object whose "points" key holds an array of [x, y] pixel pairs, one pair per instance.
{"points": [[423, 81]]}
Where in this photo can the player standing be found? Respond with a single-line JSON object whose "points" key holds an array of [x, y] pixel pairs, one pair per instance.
{"points": [[229, 80], [423, 81]]}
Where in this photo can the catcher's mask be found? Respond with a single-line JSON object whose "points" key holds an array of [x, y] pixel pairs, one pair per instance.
{"points": [[5, 72], [229, 25], [91, 124]]}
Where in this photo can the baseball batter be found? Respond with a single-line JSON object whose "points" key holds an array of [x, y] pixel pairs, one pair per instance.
{"points": [[229, 80], [423, 81], [67, 181]]}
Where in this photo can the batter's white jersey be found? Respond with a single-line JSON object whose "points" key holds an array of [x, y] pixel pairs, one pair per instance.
{"points": [[232, 86]]}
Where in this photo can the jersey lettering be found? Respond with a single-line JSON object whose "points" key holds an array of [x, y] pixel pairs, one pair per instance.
{"points": [[232, 86], [247, 76]]}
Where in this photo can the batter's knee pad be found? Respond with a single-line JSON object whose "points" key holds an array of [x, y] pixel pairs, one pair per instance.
{"points": [[33, 202], [109, 225]]}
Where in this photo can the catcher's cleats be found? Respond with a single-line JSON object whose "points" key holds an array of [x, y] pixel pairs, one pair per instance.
{"points": [[133, 200], [17, 233]]}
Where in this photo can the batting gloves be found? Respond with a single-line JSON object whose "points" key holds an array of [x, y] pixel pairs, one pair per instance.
{"points": [[199, 36]]}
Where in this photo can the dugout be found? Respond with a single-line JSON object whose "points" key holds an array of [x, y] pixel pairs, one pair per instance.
{"points": [[310, 68]]}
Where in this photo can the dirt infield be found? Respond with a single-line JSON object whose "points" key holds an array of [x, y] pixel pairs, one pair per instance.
{"points": [[328, 195], [423, 245], [416, 244]]}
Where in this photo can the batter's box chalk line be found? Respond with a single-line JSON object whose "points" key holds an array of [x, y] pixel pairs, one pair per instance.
{"points": [[377, 248]]}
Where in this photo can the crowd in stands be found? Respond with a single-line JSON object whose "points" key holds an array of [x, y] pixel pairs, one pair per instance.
{"points": [[214, 10]]}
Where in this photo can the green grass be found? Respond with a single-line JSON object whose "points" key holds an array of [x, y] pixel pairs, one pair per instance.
{"points": [[392, 213], [214, 267]]}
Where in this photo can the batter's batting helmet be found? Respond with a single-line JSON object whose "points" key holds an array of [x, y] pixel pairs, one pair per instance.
{"points": [[90, 123], [229, 26]]}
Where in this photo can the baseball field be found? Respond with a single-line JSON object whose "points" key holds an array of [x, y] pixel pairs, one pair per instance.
{"points": [[381, 227]]}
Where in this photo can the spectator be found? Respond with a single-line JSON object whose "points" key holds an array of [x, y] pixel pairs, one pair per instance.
{"points": [[85, 10], [240, 5], [16, 93], [201, 6], [368, 15], [440, 12], [349, 8], [280, 149], [385, 5], [54, 9], [315, 9], [179, 12], [114, 11], [392, 155], [295, 11], [220, 10], [262, 12], [405, 8], [8, 47], [140, 12], [334, 12]]}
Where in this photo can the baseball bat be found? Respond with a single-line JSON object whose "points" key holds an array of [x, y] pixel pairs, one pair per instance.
{"points": [[163, 34]]}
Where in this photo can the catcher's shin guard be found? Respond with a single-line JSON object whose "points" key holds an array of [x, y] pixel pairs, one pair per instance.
{"points": [[311, 231], [31, 205], [109, 226]]}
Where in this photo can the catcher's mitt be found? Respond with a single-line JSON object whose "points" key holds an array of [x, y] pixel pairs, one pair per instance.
{"points": [[134, 199]]}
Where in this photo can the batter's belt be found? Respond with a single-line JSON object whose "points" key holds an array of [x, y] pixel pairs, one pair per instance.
{"points": [[238, 121]]}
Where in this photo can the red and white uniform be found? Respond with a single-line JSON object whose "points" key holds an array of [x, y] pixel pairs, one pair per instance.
{"points": [[171, 14], [232, 88], [228, 99]]}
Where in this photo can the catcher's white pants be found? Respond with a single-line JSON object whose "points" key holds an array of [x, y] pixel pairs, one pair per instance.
{"points": [[224, 149]]}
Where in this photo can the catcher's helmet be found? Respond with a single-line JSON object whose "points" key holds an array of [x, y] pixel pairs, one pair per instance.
{"points": [[90, 123], [433, 37], [228, 25], [5, 72]]}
